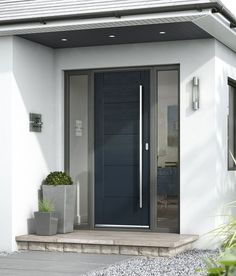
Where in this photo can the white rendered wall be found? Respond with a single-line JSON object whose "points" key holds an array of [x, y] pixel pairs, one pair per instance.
{"points": [[198, 204], [26, 85], [6, 80], [34, 154], [225, 185]]}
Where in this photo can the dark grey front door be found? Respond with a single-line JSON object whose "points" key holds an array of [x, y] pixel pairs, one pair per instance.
{"points": [[122, 193]]}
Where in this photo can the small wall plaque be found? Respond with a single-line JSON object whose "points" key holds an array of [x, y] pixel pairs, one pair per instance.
{"points": [[35, 122]]}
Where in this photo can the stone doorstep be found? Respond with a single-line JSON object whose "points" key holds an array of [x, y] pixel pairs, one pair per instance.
{"points": [[103, 249], [118, 239], [110, 242]]}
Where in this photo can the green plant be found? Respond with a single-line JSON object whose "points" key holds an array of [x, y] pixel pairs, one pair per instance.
{"points": [[225, 265], [227, 231], [58, 178], [45, 206]]}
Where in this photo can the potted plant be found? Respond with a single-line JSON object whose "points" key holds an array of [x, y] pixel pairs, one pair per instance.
{"points": [[58, 188], [45, 220]]}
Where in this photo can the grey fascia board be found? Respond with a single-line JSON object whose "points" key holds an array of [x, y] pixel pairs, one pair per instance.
{"points": [[216, 7]]}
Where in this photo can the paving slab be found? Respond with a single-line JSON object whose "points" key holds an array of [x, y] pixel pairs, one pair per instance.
{"points": [[32, 263]]}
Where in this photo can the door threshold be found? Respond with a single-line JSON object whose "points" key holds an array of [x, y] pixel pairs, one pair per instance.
{"points": [[122, 226]]}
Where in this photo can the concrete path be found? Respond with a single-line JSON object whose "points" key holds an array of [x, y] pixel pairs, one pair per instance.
{"points": [[54, 264]]}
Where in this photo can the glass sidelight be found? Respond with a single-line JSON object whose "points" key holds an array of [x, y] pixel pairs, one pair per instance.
{"points": [[77, 140], [168, 151]]}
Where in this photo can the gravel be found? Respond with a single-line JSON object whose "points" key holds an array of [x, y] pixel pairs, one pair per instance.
{"points": [[181, 265]]}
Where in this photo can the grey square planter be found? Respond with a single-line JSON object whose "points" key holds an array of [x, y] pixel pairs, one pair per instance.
{"points": [[63, 198], [45, 223]]}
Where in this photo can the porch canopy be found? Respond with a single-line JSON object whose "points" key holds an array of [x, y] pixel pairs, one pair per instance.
{"points": [[72, 23]]}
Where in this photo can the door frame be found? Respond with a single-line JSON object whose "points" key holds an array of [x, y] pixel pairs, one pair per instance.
{"points": [[91, 140]]}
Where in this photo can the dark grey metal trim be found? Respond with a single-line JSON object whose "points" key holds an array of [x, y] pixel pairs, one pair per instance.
{"points": [[91, 158], [232, 83], [66, 122], [153, 151], [216, 7], [179, 143], [228, 167]]}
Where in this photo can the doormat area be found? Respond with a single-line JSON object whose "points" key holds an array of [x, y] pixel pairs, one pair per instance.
{"points": [[180, 265]]}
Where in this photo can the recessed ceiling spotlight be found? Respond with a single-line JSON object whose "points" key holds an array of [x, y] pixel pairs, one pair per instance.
{"points": [[64, 39], [112, 36], [162, 33]]}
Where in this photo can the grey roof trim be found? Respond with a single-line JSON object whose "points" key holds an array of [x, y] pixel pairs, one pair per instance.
{"points": [[99, 23], [29, 9]]}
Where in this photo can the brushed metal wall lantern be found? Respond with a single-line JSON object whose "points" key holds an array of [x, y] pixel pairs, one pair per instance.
{"points": [[195, 94], [35, 124]]}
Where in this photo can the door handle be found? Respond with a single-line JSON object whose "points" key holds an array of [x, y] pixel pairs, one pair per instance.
{"points": [[140, 146]]}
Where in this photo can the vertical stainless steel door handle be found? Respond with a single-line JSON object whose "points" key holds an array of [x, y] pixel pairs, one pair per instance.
{"points": [[140, 146]]}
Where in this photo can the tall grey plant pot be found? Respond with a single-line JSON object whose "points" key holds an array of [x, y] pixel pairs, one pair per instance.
{"points": [[63, 198]]}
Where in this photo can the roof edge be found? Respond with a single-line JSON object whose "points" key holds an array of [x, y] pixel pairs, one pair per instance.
{"points": [[215, 7]]}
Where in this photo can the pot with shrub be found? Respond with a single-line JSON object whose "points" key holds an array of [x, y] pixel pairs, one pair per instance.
{"points": [[45, 219], [58, 188]]}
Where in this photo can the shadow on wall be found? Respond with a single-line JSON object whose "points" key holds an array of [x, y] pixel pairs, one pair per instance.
{"points": [[38, 149], [34, 153], [208, 183], [198, 206]]}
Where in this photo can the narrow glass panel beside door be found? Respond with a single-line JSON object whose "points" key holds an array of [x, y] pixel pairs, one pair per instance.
{"points": [[78, 142], [168, 151]]}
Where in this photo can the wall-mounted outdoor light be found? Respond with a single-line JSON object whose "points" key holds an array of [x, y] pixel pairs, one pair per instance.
{"points": [[35, 122], [195, 94]]}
